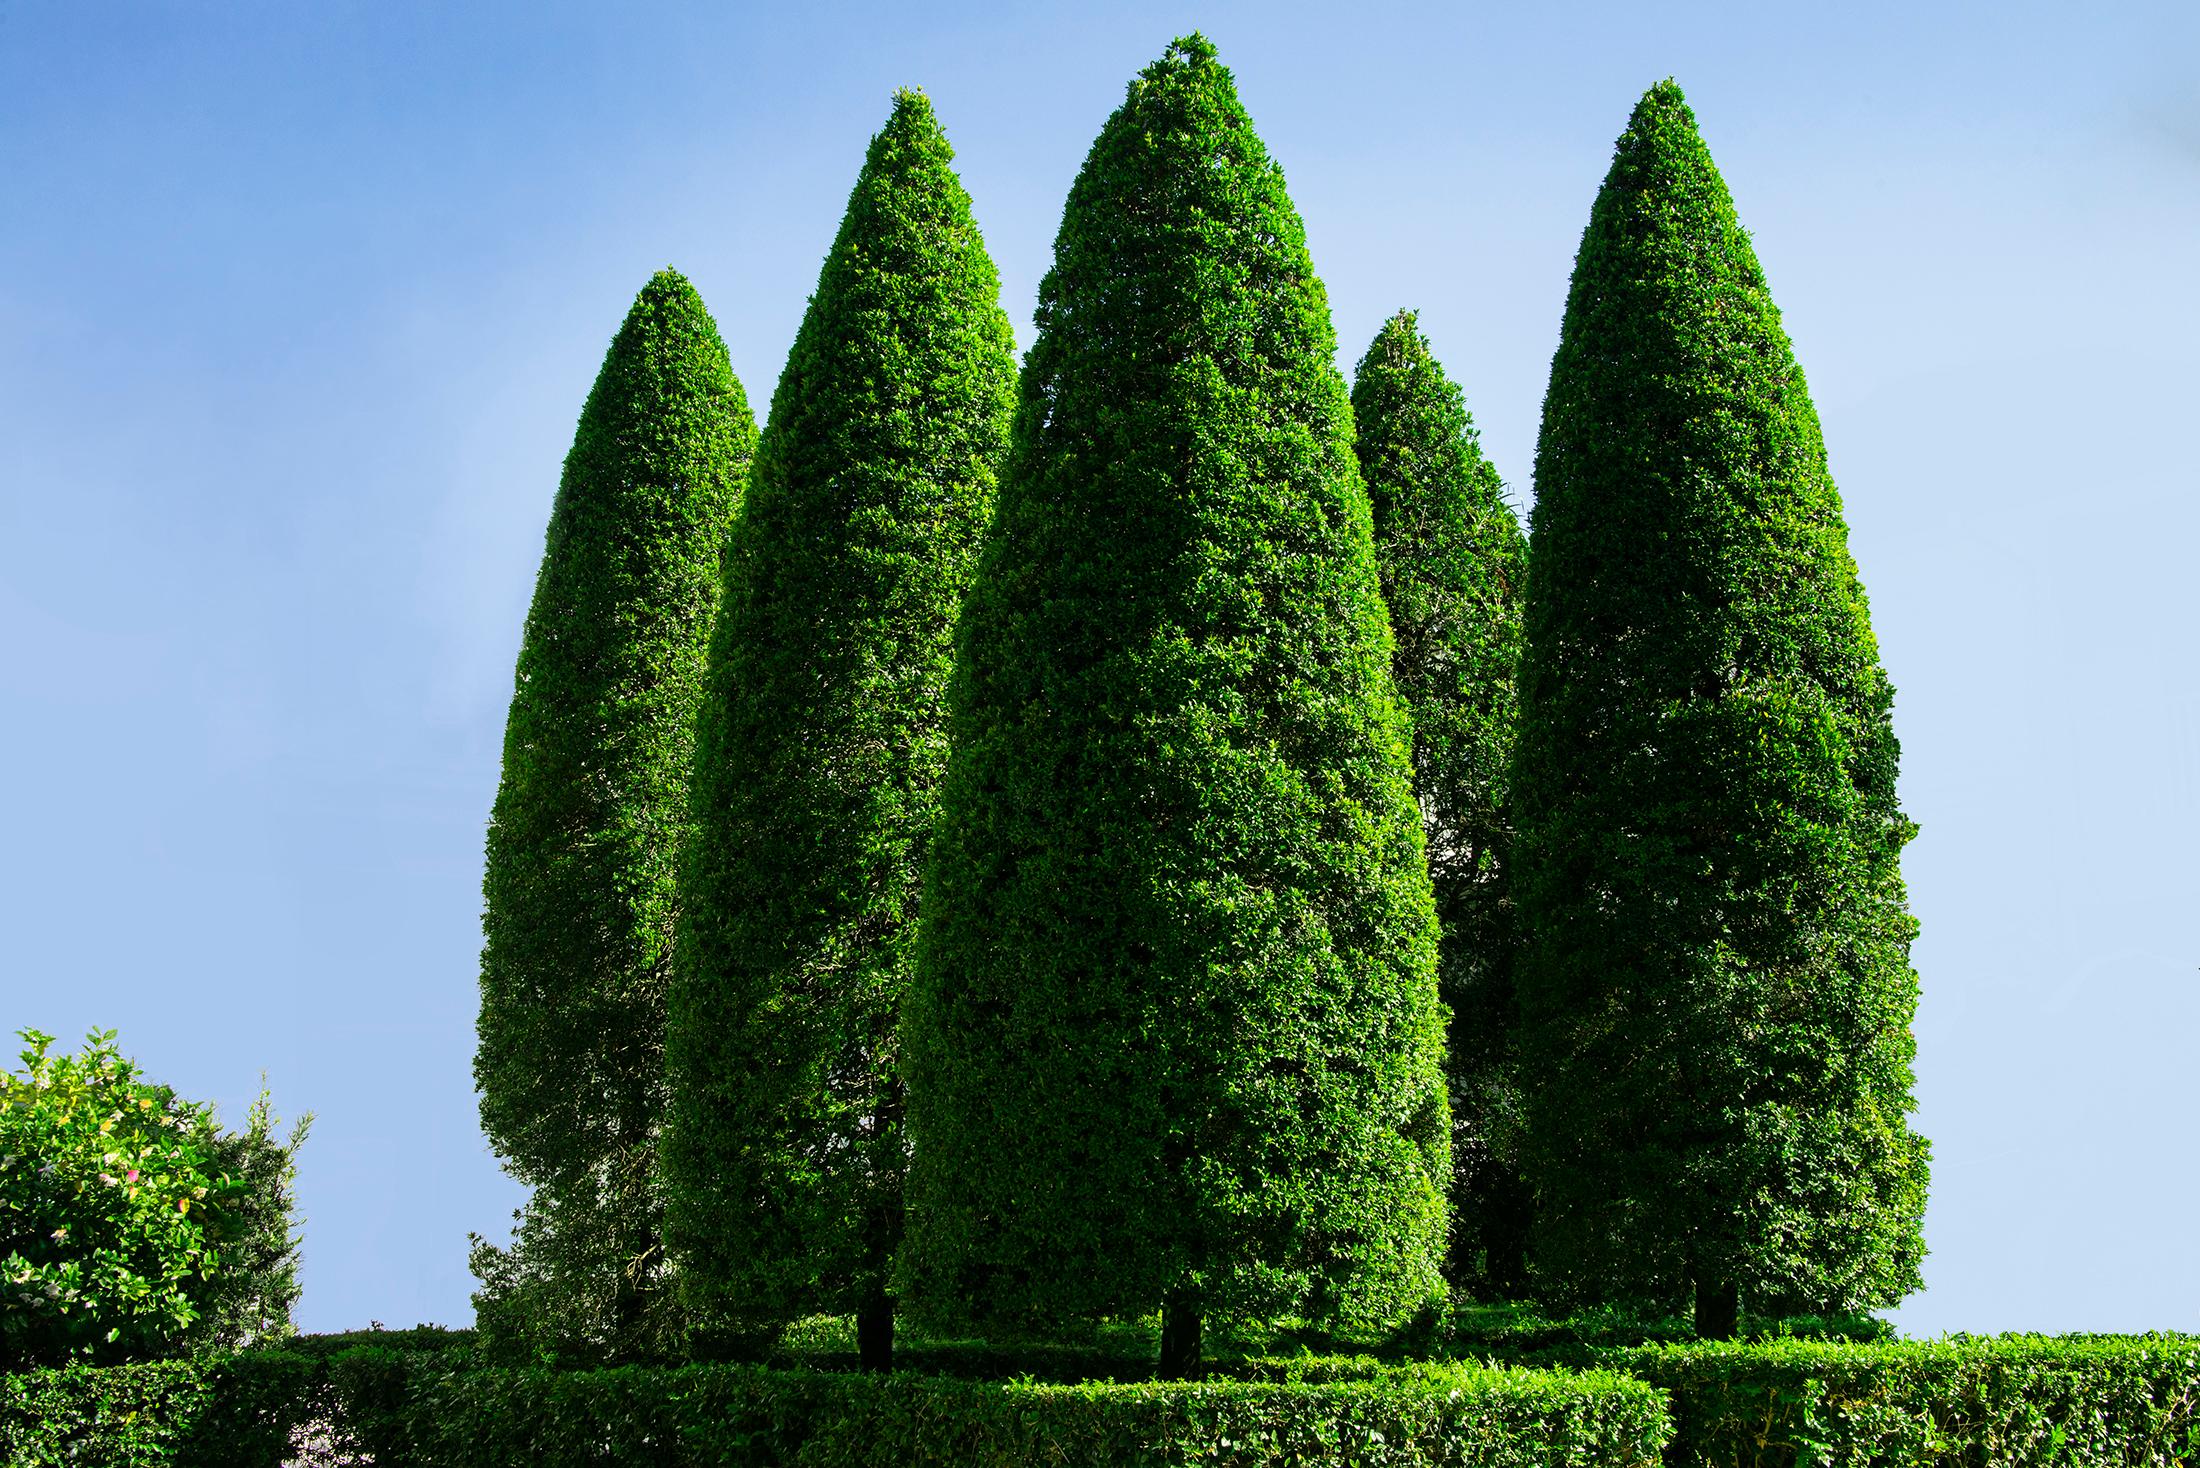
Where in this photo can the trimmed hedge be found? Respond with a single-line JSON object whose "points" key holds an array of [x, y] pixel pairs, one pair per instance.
{"points": [[745, 1415], [415, 1409], [229, 1412], [1999, 1402]]}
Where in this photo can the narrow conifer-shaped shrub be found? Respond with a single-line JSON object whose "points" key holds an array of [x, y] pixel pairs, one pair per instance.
{"points": [[1716, 990], [819, 755], [1454, 561], [589, 819], [1174, 1039]]}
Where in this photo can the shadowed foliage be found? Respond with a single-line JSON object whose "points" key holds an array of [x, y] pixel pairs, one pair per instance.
{"points": [[1716, 991], [1454, 560]]}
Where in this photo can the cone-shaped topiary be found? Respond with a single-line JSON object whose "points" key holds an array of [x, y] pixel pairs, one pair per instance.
{"points": [[1174, 1038], [591, 813], [1453, 560], [1716, 991], [819, 753]]}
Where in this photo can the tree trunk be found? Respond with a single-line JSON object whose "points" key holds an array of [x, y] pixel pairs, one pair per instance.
{"points": [[875, 1333], [1718, 1309], [1179, 1340]]}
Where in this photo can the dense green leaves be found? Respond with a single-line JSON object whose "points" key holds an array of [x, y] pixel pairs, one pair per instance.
{"points": [[131, 1224], [438, 1409], [1715, 988], [590, 816], [2000, 1402], [2004, 1402], [1174, 1035], [1453, 561], [819, 753]]}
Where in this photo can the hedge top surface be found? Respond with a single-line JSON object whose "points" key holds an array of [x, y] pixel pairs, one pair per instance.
{"points": [[1174, 1033], [820, 746], [1716, 991]]}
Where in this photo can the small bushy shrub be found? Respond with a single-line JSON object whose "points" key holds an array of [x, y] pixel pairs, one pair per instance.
{"points": [[131, 1224]]}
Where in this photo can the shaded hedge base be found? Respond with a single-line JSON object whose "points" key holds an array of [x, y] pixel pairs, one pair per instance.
{"points": [[2006, 1402]]}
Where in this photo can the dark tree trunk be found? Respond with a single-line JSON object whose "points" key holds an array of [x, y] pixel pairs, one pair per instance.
{"points": [[875, 1333], [1718, 1309], [1179, 1340]]}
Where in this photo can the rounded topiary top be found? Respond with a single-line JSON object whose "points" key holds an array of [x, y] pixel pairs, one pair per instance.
{"points": [[1174, 1034], [820, 749], [1716, 988]]}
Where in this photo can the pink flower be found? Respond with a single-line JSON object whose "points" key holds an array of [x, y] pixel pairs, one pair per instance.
{"points": [[132, 1177]]}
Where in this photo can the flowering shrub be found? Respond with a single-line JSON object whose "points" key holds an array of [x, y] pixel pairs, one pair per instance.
{"points": [[131, 1225]]}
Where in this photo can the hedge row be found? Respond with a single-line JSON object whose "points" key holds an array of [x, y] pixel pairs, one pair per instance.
{"points": [[407, 1409], [2006, 1402], [2000, 1402]]}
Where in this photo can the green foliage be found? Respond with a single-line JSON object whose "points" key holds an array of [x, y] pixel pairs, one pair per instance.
{"points": [[1522, 1335], [743, 1415], [227, 1412], [590, 816], [1715, 988], [819, 753], [1174, 1033], [131, 1224], [1453, 561], [2004, 1402]]}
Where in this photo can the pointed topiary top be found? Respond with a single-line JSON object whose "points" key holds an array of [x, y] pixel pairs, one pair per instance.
{"points": [[1174, 1034], [820, 748], [1717, 986]]}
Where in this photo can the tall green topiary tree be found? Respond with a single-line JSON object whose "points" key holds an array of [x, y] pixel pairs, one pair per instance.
{"points": [[591, 813], [1453, 561], [1174, 1038], [1716, 992], [819, 757]]}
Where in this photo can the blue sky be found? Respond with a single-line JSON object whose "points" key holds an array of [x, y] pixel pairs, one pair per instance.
{"points": [[298, 305]]}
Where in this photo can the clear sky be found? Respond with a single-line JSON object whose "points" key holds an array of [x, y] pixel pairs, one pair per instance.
{"points": [[298, 305]]}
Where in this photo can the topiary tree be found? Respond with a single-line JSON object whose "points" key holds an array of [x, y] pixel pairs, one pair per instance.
{"points": [[819, 756], [592, 810], [1453, 558], [1174, 1038], [131, 1224], [1716, 990]]}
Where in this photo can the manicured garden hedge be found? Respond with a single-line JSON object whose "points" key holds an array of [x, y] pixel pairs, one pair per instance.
{"points": [[227, 1412], [407, 1409], [734, 1415], [1997, 1402], [2003, 1402]]}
